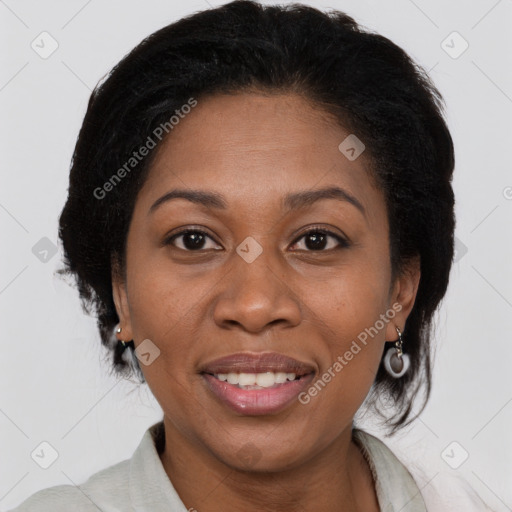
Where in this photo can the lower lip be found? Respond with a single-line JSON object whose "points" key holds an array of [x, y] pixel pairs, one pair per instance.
{"points": [[257, 402]]}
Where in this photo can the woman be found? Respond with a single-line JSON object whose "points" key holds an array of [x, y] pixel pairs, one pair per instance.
{"points": [[260, 211]]}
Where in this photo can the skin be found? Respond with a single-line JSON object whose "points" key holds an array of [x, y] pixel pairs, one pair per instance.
{"points": [[199, 305]]}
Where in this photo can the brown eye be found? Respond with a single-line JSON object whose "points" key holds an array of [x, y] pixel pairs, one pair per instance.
{"points": [[192, 240], [315, 240], [318, 240]]}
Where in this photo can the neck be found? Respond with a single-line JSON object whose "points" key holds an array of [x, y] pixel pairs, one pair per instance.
{"points": [[337, 479]]}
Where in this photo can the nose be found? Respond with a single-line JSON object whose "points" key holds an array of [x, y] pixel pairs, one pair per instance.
{"points": [[255, 296]]}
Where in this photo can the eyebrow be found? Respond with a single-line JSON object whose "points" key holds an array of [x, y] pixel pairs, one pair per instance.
{"points": [[294, 201]]}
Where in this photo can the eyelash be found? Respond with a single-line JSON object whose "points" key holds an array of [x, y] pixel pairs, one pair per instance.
{"points": [[343, 243]]}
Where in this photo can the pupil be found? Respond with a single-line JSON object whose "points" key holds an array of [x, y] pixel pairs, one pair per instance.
{"points": [[196, 240], [318, 240]]}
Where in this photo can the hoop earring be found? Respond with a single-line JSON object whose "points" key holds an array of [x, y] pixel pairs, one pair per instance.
{"points": [[396, 362]]}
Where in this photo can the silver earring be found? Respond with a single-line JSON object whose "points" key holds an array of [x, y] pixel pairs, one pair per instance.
{"points": [[122, 344], [395, 361]]}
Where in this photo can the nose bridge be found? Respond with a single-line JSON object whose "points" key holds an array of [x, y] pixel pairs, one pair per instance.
{"points": [[257, 293], [254, 272]]}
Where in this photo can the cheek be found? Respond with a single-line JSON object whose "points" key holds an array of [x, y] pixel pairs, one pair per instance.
{"points": [[161, 297], [349, 358], [160, 314], [353, 312], [353, 298]]}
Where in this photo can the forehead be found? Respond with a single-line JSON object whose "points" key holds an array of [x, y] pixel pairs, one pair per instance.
{"points": [[254, 148]]}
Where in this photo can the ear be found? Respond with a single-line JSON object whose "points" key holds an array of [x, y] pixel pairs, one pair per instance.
{"points": [[403, 296], [121, 302]]}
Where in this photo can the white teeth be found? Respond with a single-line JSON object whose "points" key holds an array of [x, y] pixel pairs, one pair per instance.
{"points": [[281, 377], [262, 380], [246, 379], [265, 380], [232, 378]]}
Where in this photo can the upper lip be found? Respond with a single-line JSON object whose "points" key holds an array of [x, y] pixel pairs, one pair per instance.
{"points": [[247, 362]]}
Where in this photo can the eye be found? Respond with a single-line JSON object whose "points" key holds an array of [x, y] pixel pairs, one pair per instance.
{"points": [[192, 240], [316, 239]]}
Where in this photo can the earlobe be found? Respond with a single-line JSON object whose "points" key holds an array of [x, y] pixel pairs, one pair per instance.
{"points": [[122, 308]]}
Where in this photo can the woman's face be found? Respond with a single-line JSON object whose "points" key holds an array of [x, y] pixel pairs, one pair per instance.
{"points": [[255, 286]]}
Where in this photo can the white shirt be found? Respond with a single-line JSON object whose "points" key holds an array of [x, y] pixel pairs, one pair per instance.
{"points": [[140, 484]]}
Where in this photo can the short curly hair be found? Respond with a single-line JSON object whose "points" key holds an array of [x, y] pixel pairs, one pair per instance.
{"points": [[369, 84]]}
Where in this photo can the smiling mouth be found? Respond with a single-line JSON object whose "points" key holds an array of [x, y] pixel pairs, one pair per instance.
{"points": [[259, 393], [256, 384]]}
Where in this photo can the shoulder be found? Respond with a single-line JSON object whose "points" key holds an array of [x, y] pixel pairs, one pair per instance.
{"points": [[441, 491], [125, 486], [105, 487], [395, 487], [447, 491]]}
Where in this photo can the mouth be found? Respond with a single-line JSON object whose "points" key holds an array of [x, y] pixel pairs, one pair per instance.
{"points": [[257, 383]]}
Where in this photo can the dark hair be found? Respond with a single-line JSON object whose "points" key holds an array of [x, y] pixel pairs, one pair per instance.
{"points": [[369, 84]]}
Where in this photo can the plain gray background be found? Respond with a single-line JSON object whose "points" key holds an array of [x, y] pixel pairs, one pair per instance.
{"points": [[55, 387]]}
